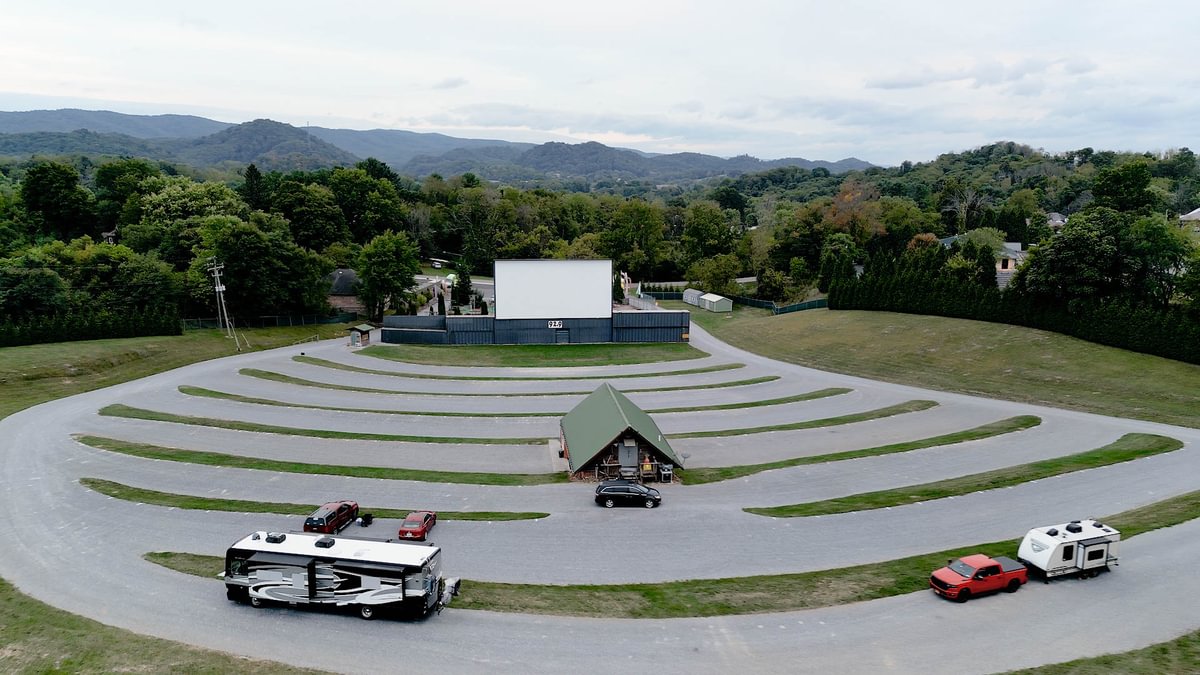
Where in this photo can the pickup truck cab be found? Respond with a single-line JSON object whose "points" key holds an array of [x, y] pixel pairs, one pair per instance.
{"points": [[976, 574]]}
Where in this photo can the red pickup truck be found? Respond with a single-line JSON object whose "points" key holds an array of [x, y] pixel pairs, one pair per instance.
{"points": [[976, 574]]}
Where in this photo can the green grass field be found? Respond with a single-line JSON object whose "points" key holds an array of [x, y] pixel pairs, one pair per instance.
{"points": [[534, 356], [972, 357]]}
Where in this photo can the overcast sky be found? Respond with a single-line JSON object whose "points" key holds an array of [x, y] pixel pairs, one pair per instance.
{"points": [[881, 81]]}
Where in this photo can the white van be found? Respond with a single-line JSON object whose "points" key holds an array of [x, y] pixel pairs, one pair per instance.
{"points": [[1084, 547]]}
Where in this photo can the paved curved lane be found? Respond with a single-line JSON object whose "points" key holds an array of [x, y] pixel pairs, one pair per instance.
{"points": [[82, 551]]}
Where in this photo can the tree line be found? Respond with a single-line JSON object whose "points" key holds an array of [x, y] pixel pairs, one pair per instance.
{"points": [[798, 231]]}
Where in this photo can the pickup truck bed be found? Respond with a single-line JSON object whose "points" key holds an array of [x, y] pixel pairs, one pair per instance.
{"points": [[1008, 564]]}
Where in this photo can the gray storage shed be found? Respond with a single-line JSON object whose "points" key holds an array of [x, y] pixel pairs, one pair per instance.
{"points": [[716, 303]]}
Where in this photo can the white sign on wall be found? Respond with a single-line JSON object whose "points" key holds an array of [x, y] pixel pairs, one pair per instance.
{"points": [[553, 289]]}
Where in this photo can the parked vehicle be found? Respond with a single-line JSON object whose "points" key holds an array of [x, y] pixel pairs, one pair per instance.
{"points": [[626, 492], [370, 575], [417, 525], [978, 574], [1083, 547], [330, 518]]}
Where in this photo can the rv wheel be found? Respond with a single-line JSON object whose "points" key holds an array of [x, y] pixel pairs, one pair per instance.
{"points": [[1013, 586], [367, 612], [256, 602]]}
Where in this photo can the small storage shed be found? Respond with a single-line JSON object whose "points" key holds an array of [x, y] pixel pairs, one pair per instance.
{"points": [[360, 335], [716, 303], [607, 436], [692, 296]]}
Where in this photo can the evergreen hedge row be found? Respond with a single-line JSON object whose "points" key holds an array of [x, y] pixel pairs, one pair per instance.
{"points": [[96, 325], [1170, 332]]}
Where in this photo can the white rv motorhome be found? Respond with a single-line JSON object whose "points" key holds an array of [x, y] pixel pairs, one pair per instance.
{"points": [[318, 569], [1084, 547]]}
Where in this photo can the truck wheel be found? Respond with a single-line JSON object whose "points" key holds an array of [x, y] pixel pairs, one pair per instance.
{"points": [[367, 612], [608, 503], [1013, 586], [964, 595]]}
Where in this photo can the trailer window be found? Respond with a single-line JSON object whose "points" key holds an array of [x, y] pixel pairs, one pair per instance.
{"points": [[1069, 552], [1095, 555]]}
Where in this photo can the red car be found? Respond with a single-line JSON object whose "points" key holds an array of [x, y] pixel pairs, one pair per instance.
{"points": [[417, 525], [332, 517]]}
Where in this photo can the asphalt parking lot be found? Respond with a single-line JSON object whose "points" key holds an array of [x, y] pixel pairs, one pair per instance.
{"points": [[81, 551]]}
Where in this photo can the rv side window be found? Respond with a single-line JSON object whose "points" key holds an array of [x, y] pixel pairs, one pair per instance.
{"points": [[237, 566], [1095, 555], [1069, 552]]}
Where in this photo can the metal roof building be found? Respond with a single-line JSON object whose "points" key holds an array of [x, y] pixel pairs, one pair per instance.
{"points": [[607, 436]]}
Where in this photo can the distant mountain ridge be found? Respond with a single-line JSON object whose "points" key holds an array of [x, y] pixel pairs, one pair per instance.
{"points": [[271, 145]]}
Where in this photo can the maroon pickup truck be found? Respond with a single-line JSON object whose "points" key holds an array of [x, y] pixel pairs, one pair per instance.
{"points": [[976, 574]]}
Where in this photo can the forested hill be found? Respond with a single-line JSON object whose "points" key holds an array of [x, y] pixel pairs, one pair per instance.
{"points": [[270, 145], [597, 161], [204, 144], [106, 122]]}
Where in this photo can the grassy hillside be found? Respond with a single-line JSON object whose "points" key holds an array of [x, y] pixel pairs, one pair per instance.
{"points": [[972, 357]]}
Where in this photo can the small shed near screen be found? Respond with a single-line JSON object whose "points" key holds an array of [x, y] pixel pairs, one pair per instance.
{"points": [[716, 303], [607, 436]]}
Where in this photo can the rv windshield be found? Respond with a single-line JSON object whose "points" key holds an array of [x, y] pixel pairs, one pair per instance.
{"points": [[962, 568]]}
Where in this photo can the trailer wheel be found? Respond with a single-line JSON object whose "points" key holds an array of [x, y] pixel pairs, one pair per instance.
{"points": [[964, 595], [609, 503], [367, 612], [1013, 586]]}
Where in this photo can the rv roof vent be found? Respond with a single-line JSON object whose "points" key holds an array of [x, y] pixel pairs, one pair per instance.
{"points": [[1053, 532], [324, 542], [1097, 523], [1074, 526], [275, 537]]}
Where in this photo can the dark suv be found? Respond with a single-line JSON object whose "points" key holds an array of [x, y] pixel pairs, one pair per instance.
{"points": [[332, 517], [613, 492]]}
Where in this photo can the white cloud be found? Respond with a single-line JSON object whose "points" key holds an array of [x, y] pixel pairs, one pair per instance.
{"points": [[883, 82]]}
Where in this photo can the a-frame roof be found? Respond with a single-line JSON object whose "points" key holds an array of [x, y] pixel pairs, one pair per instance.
{"points": [[600, 419]]}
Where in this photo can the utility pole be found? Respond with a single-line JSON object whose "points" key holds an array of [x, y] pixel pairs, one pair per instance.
{"points": [[215, 269]]}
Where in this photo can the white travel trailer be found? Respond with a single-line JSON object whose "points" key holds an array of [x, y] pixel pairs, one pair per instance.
{"points": [[318, 569], [1084, 547]]}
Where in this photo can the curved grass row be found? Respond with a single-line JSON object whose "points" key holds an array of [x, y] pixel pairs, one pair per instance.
{"points": [[737, 595], [536, 356], [1126, 448], [148, 451], [878, 413], [701, 475], [289, 379], [197, 503], [121, 410], [314, 361], [210, 393]]}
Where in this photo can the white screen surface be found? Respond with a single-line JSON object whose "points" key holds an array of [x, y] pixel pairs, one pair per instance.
{"points": [[553, 289]]}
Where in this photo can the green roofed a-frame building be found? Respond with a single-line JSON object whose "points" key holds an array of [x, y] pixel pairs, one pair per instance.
{"points": [[607, 436]]}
